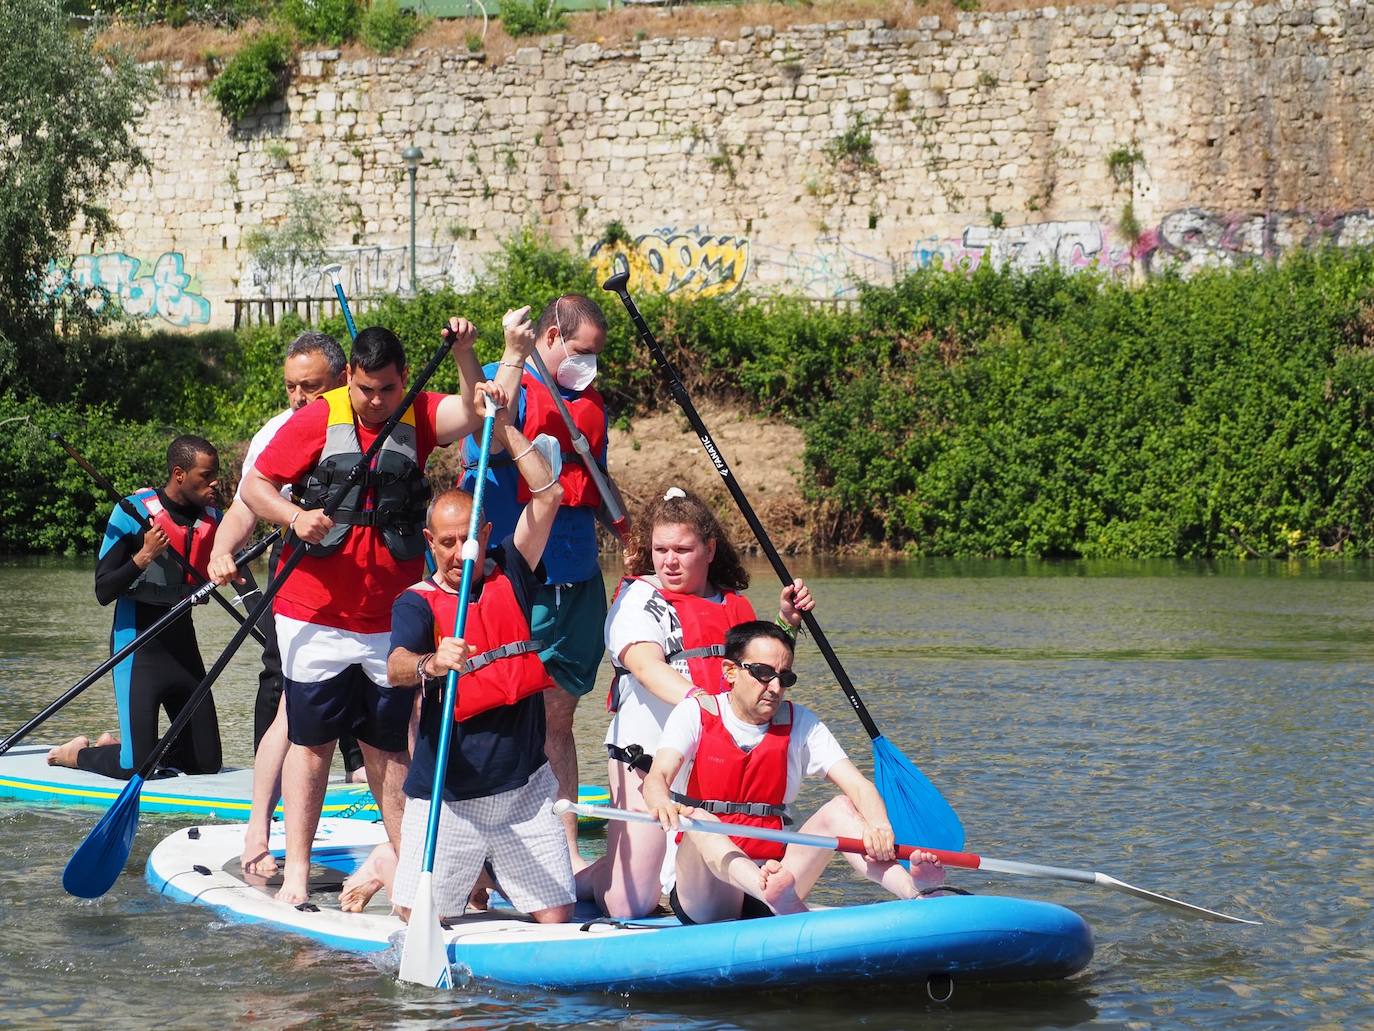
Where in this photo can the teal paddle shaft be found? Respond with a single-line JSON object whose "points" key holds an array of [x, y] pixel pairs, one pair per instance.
{"points": [[333, 273], [446, 709]]}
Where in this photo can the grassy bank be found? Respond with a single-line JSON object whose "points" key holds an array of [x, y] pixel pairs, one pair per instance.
{"points": [[997, 413]]}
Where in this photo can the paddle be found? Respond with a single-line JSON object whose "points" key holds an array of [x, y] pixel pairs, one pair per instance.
{"points": [[247, 555], [144, 522], [100, 858], [964, 860], [333, 272], [424, 958], [916, 808], [610, 496]]}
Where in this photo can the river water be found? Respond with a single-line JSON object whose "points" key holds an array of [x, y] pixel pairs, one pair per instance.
{"points": [[1200, 730]]}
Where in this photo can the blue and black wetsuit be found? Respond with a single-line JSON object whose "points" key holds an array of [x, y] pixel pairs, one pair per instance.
{"points": [[163, 673]]}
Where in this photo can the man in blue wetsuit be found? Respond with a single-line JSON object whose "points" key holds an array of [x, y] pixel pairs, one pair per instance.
{"points": [[135, 572], [570, 609]]}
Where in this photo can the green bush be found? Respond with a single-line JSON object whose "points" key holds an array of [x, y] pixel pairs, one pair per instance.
{"points": [[254, 76], [530, 17], [224, 13], [387, 28], [333, 22]]}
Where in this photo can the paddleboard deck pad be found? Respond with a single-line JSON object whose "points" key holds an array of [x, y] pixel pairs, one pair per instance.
{"points": [[25, 776], [962, 937]]}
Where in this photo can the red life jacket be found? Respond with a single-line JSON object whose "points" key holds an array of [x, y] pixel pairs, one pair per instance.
{"points": [[164, 582], [704, 626], [507, 667], [542, 416], [757, 779]]}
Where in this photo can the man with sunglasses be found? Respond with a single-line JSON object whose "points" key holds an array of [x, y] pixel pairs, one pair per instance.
{"points": [[740, 757]]}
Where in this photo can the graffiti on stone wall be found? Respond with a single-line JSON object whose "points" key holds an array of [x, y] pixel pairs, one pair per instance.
{"points": [[1195, 238], [158, 289], [365, 272], [689, 261]]}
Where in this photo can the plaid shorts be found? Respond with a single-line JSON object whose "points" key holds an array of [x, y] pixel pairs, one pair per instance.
{"points": [[517, 830]]}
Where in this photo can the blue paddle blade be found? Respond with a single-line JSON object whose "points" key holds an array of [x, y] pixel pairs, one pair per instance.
{"points": [[100, 859], [919, 813]]}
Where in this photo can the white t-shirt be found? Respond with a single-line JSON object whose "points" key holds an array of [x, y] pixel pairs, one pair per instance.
{"points": [[811, 749], [640, 614], [260, 440]]}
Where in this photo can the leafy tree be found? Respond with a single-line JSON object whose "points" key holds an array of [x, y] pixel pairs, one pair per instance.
{"points": [[299, 242], [66, 137]]}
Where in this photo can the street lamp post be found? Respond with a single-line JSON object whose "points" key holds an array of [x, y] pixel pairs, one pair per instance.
{"points": [[411, 156]]}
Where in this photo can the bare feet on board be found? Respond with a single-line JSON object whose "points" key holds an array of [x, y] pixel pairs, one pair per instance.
{"points": [[65, 755], [780, 888], [376, 873]]}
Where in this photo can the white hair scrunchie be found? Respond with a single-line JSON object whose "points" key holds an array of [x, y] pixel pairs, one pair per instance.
{"points": [[674, 492]]}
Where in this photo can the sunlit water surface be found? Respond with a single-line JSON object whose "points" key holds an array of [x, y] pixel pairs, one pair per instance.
{"points": [[1202, 731]]}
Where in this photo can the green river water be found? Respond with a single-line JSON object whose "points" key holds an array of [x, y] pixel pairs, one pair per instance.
{"points": [[1200, 730]]}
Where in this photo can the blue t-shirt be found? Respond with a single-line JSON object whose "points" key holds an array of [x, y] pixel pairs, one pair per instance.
{"points": [[571, 554], [494, 751]]}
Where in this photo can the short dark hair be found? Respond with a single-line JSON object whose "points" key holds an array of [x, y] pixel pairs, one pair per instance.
{"points": [[312, 341], [570, 311], [375, 348], [182, 452], [739, 637]]}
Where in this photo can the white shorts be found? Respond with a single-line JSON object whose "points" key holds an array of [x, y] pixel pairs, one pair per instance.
{"points": [[311, 653], [517, 830]]}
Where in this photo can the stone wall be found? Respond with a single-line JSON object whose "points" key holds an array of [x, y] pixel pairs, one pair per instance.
{"points": [[1128, 137]]}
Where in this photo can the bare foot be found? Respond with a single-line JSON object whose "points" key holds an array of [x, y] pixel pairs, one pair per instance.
{"points": [[780, 888], [65, 755], [375, 874], [295, 888], [258, 861], [358, 776], [106, 739], [481, 892], [926, 871]]}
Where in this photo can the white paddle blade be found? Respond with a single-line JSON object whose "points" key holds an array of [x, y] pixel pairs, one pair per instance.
{"points": [[424, 957], [1154, 896]]}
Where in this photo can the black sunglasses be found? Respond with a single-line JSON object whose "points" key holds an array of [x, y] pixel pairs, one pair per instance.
{"points": [[764, 673]]}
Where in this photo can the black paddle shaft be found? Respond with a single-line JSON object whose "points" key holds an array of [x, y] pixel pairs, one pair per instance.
{"points": [[331, 506], [144, 523], [247, 555], [617, 284]]}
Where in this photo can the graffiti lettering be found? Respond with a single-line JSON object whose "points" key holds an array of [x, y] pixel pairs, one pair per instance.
{"points": [[1195, 238], [162, 291], [365, 272], [673, 261]]}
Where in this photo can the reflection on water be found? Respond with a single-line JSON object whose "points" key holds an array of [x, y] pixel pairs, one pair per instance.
{"points": [[1200, 729]]}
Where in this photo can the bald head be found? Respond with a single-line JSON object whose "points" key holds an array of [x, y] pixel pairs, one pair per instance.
{"points": [[451, 504]]}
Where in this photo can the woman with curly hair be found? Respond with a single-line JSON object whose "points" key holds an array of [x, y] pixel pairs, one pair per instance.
{"points": [[666, 633]]}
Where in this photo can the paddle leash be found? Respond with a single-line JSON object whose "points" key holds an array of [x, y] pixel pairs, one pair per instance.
{"points": [[144, 522], [247, 555], [424, 957], [99, 859], [963, 860], [610, 496], [916, 808]]}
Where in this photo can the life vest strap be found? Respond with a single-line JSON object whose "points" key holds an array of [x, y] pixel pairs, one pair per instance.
{"points": [[757, 809], [708, 651], [506, 651]]}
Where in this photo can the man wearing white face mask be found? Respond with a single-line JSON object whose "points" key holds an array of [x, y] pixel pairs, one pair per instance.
{"points": [[569, 611]]}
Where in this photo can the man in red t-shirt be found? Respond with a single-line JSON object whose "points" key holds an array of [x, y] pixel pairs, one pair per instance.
{"points": [[333, 614]]}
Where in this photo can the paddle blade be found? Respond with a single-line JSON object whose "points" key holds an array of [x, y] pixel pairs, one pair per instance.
{"points": [[1165, 900], [919, 813], [424, 957], [99, 860]]}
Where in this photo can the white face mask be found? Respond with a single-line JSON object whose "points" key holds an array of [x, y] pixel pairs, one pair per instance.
{"points": [[576, 371]]}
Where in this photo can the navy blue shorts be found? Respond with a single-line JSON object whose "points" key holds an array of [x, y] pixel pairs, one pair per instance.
{"points": [[349, 703]]}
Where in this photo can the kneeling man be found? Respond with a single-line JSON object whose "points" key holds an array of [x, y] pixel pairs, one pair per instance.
{"points": [[740, 757], [498, 789]]}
